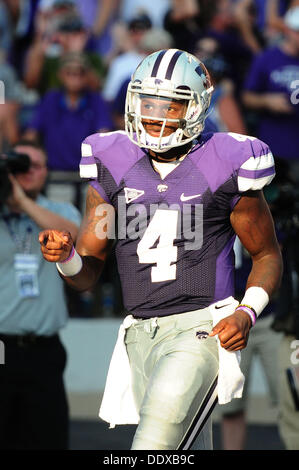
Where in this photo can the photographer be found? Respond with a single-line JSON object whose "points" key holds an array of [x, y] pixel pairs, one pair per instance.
{"points": [[33, 405]]}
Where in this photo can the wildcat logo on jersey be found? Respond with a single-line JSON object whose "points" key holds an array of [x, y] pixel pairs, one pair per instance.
{"points": [[131, 194]]}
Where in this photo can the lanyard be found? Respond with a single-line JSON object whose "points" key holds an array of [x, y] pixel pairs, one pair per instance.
{"points": [[22, 242]]}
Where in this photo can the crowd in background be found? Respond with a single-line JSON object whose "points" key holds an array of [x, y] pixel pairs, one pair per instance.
{"points": [[65, 64]]}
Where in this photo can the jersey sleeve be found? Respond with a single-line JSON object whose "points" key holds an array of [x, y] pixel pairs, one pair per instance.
{"points": [[105, 159], [257, 169], [240, 163], [92, 169]]}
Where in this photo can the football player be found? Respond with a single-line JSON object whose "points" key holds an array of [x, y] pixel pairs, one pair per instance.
{"points": [[180, 197]]}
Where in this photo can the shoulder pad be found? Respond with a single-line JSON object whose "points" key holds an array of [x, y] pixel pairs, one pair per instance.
{"points": [[113, 150]]}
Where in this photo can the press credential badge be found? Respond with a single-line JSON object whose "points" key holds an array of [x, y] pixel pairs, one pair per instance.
{"points": [[26, 267]]}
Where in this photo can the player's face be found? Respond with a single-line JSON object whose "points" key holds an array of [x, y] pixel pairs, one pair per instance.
{"points": [[34, 179], [159, 109]]}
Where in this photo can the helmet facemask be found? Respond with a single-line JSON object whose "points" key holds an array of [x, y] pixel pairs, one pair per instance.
{"points": [[186, 125]]}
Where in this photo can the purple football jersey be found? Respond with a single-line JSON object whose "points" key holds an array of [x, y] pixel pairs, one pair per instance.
{"points": [[175, 241]]}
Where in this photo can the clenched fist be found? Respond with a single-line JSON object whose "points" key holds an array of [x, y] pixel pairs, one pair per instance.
{"points": [[56, 246], [233, 331]]}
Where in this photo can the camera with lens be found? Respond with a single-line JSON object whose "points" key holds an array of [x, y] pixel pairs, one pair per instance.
{"points": [[14, 163]]}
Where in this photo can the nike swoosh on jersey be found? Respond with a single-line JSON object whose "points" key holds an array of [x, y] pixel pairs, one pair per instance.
{"points": [[221, 306], [187, 198]]}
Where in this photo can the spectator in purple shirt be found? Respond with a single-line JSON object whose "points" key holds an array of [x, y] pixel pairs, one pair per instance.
{"points": [[271, 91], [66, 116]]}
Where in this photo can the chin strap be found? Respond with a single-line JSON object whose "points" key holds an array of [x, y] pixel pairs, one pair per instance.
{"points": [[183, 152]]}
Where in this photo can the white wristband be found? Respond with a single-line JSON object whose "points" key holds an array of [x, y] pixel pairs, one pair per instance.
{"points": [[72, 265], [257, 298]]}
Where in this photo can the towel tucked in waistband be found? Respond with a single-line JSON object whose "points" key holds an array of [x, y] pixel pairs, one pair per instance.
{"points": [[118, 406]]}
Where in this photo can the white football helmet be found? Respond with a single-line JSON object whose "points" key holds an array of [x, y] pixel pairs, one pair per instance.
{"points": [[179, 77]]}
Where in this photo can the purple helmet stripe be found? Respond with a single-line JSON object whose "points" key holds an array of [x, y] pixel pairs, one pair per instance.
{"points": [[157, 63], [171, 65]]}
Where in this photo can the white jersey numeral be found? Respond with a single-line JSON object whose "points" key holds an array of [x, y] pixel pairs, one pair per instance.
{"points": [[162, 227]]}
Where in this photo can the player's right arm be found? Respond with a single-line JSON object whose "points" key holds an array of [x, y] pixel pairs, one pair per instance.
{"points": [[93, 243]]}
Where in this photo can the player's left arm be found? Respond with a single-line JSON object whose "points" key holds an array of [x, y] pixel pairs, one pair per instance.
{"points": [[252, 221]]}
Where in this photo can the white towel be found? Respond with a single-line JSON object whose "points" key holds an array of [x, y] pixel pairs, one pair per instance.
{"points": [[230, 378], [118, 406]]}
